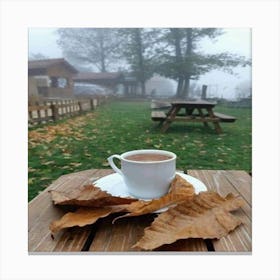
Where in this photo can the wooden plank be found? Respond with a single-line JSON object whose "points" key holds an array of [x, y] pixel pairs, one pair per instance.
{"points": [[224, 182], [124, 233], [240, 180], [40, 119], [194, 103], [121, 236], [171, 114], [39, 218], [195, 119], [158, 115], [58, 109], [224, 118], [41, 212], [215, 123], [202, 116], [38, 107], [185, 245], [158, 104], [73, 239]]}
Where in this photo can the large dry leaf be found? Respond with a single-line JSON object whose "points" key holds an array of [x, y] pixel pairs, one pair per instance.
{"points": [[180, 190], [206, 216], [179, 182], [83, 216], [88, 195]]}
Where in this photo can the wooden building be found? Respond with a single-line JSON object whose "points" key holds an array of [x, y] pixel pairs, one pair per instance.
{"points": [[54, 77], [131, 85], [111, 80], [108, 80]]}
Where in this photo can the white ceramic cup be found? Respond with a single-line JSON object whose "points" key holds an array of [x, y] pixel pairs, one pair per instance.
{"points": [[146, 179]]}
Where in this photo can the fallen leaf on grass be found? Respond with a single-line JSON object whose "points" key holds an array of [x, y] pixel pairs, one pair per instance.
{"points": [[88, 195], [66, 167], [76, 164], [30, 169], [44, 178], [180, 190], [206, 216], [158, 146], [71, 127], [48, 162], [105, 164], [31, 180]]}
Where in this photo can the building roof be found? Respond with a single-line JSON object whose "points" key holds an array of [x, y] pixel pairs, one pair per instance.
{"points": [[46, 63], [85, 76]]}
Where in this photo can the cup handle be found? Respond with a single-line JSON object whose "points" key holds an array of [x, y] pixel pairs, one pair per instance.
{"points": [[112, 164]]}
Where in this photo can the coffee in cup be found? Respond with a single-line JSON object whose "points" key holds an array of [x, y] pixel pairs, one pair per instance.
{"points": [[147, 174]]}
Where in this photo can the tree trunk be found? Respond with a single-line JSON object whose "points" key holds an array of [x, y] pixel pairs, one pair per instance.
{"points": [[186, 89], [189, 49], [178, 58], [180, 87], [140, 60], [204, 92], [103, 67], [102, 51], [143, 88]]}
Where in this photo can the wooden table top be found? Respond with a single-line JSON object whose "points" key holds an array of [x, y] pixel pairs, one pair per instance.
{"points": [[194, 103], [105, 237]]}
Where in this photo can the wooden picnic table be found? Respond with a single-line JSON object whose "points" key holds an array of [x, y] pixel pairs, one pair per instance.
{"points": [[105, 237], [194, 111]]}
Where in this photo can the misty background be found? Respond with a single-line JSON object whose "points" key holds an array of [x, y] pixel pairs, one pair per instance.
{"points": [[43, 43]]}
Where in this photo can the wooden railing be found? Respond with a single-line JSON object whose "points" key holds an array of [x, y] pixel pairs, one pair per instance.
{"points": [[55, 109]]}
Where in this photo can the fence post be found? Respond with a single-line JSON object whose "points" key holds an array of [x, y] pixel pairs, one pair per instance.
{"points": [[80, 106], [204, 90], [38, 112], [55, 113], [92, 103]]}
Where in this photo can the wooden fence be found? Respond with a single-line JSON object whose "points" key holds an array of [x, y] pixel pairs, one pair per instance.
{"points": [[50, 110]]}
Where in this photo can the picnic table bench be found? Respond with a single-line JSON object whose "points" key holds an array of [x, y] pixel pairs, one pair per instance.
{"points": [[195, 111], [103, 236]]}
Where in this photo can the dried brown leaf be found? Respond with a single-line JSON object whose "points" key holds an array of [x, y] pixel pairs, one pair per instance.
{"points": [[88, 195], [180, 190], [83, 216], [206, 216]]}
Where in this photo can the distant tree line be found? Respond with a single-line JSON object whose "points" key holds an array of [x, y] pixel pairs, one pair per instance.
{"points": [[171, 52]]}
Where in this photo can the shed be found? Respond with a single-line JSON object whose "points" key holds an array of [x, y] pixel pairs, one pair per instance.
{"points": [[54, 77], [106, 79], [111, 80]]}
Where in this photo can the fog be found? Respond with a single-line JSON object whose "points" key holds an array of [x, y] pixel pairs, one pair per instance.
{"points": [[220, 84]]}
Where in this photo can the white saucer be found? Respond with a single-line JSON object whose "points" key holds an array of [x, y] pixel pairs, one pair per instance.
{"points": [[115, 185]]}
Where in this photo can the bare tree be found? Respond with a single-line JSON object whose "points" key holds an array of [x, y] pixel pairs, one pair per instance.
{"points": [[182, 61], [95, 47]]}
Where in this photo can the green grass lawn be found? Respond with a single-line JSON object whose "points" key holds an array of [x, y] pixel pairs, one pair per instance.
{"points": [[86, 141]]}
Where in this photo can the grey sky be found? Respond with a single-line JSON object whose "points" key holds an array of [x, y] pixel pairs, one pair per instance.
{"points": [[234, 40]]}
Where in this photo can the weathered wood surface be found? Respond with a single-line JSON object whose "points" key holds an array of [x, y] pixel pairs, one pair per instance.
{"points": [[194, 103], [105, 237], [159, 104], [190, 115], [41, 212], [238, 183], [224, 118], [55, 109], [158, 115]]}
